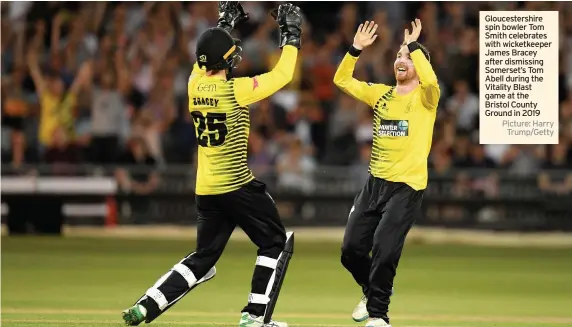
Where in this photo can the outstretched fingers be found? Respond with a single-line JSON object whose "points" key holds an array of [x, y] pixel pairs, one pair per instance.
{"points": [[372, 29]]}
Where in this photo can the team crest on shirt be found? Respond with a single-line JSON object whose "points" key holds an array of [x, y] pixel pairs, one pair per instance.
{"points": [[393, 128]]}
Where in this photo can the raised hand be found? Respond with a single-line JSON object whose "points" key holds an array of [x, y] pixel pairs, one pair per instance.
{"points": [[289, 20], [230, 14], [415, 32], [365, 35]]}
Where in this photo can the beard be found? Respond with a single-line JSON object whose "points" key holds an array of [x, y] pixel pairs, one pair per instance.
{"points": [[401, 77]]}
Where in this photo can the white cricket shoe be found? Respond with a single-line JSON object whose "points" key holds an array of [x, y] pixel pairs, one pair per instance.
{"points": [[360, 311], [248, 320], [377, 322]]}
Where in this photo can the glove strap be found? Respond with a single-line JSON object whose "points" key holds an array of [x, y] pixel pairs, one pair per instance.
{"points": [[290, 39], [222, 23]]}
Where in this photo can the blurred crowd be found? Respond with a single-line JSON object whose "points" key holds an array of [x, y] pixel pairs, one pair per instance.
{"points": [[105, 83]]}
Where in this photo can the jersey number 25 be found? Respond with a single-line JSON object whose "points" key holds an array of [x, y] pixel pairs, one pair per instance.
{"points": [[214, 124]]}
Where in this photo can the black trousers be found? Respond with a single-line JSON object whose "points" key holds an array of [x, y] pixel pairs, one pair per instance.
{"points": [[379, 221], [250, 208], [254, 211]]}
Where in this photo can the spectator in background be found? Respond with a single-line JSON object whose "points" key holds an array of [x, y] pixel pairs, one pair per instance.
{"points": [[360, 168], [478, 158], [464, 105], [140, 178], [155, 44], [109, 111], [57, 103], [322, 74], [460, 151], [260, 158], [257, 49], [556, 176], [15, 107], [344, 118], [143, 177], [17, 153], [61, 154], [295, 168], [523, 160], [364, 128], [465, 62]]}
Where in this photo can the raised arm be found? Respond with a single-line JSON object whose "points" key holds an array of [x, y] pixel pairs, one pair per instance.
{"points": [[429, 84], [82, 78], [34, 65], [366, 92], [427, 78], [250, 90], [56, 32]]}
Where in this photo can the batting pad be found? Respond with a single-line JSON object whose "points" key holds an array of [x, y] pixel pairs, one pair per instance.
{"points": [[156, 295], [277, 278]]}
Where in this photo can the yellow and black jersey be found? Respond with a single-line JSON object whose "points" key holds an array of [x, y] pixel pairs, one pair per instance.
{"points": [[403, 124], [222, 122]]}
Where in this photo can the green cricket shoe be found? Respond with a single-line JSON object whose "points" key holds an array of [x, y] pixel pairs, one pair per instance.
{"points": [[248, 320], [134, 315]]}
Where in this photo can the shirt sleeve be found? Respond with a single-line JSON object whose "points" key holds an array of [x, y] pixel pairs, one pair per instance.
{"points": [[430, 91], [197, 71], [366, 92], [249, 90]]}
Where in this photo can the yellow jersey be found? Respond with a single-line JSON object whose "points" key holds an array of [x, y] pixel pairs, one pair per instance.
{"points": [[55, 112], [402, 125], [219, 108]]}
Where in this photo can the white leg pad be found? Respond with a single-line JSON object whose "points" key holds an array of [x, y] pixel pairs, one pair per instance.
{"points": [[258, 298], [266, 262], [186, 273], [158, 297]]}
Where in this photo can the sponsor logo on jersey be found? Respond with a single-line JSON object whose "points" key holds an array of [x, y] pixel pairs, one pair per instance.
{"points": [[393, 128], [206, 87]]}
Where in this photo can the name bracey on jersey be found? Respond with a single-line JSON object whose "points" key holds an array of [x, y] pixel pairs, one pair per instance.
{"points": [[205, 102]]}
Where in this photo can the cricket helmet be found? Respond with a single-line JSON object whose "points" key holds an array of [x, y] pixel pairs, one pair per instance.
{"points": [[218, 50]]}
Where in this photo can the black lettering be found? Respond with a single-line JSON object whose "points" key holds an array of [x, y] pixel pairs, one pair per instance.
{"points": [[214, 124], [212, 102], [206, 87]]}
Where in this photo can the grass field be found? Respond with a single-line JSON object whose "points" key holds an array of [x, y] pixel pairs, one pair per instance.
{"points": [[49, 282]]}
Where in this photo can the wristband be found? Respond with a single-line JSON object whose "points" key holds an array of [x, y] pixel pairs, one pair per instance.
{"points": [[413, 46], [354, 52]]}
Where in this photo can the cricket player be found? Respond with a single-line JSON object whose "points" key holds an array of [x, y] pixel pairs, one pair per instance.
{"points": [[227, 193], [385, 209]]}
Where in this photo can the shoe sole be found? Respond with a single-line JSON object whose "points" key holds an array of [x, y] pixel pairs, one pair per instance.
{"points": [[130, 317], [362, 319]]}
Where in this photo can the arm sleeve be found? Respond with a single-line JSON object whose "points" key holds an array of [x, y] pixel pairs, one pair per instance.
{"points": [[249, 90], [366, 92], [429, 86]]}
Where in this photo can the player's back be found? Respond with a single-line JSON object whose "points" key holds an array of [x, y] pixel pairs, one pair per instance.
{"points": [[222, 128]]}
